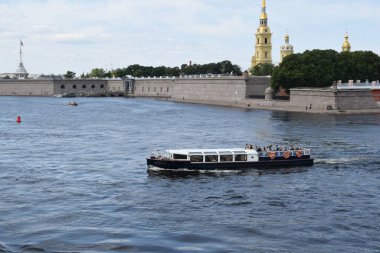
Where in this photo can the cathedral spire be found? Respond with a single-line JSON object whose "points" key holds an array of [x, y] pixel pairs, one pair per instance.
{"points": [[21, 45], [264, 16], [263, 48]]}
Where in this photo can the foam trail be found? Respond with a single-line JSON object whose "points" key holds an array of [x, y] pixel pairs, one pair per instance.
{"points": [[343, 160]]}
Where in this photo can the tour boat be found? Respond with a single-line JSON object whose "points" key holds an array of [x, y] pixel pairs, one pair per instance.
{"points": [[229, 159]]}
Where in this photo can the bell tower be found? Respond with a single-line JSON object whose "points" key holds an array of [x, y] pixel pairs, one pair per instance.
{"points": [[287, 48], [263, 49]]}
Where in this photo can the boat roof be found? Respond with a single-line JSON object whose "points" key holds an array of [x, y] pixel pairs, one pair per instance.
{"points": [[224, 151]]}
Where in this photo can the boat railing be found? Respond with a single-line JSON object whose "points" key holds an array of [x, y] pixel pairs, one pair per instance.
{"points": [[278, 153]]}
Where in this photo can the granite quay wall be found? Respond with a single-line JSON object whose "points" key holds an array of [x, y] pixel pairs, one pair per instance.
{"points": [[27, 87]]}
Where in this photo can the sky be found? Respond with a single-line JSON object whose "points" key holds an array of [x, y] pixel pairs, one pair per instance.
{"points": [[79, 35]]}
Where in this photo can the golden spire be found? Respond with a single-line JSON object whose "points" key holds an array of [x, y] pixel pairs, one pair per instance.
{"points": [[287, 38], [346, 44], [263, 16]]}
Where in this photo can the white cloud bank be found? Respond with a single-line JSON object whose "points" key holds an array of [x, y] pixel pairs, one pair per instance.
{"points": [[61, 35]]}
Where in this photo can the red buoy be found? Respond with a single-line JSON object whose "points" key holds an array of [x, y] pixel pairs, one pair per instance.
{"points": [[18, 119]]}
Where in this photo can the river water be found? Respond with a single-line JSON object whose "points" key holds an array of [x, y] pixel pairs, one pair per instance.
{"points": [[74, 179]]}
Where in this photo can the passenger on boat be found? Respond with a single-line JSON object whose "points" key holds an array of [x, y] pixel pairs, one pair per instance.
{"points": [[248, 146]]}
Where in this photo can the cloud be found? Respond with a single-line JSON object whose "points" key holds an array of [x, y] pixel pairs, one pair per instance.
{"points": [[81, 34]]}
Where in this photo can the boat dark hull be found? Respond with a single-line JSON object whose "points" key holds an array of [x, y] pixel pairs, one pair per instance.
{"points": [[262, 164]]}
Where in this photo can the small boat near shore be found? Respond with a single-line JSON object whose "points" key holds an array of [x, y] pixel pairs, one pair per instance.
{"points": [[229, 159], [72, 103]]}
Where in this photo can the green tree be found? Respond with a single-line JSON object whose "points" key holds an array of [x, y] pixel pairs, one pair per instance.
{"points": [[69, 75], [98, 73], [319, 68], [262, 69]]}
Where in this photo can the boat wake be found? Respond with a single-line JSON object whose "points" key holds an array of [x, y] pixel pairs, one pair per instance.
{"points": [[187, 171], [343, 160]]}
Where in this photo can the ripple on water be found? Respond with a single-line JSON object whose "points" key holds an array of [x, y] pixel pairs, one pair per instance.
{"points": [[75, 180]]}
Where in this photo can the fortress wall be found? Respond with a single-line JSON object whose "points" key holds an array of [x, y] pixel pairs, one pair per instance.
{"points": [[28, 87], [116, 86], [153, 87], [256, 86], [356, 100], [80, 86], [226, 90], [320, 99], [219, 90]]}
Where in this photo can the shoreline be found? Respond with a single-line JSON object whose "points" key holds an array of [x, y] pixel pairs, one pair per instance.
{"points": [[275, 105]]}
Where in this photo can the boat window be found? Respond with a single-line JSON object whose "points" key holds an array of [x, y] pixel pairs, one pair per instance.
{"points": [[240, 158], [180, 157], [226, 158], [196, 158], [211, 158]]}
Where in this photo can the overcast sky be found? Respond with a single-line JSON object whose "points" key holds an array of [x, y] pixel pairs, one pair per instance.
{"points": [[79, 35]]}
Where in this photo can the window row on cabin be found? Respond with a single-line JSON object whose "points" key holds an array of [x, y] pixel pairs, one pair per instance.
{"points": [[214, 158]]}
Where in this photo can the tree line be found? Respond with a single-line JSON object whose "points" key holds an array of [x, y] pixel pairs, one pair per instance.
{"points": [[320, 68], [224, 67]]}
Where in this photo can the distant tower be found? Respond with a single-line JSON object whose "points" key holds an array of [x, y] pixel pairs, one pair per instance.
{"points": [[21, 71], [263, 49], [346, 44], [286, 49]]}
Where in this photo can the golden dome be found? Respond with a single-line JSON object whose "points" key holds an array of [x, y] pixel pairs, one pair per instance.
{"points": [[346, 44]]}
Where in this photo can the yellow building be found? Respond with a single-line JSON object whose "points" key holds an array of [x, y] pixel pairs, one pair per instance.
{"points": [[263, 49], [287, 48], [346, 45]]}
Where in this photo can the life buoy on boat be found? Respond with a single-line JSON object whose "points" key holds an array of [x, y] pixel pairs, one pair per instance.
{"points": [[272, 155], [299, 153], [286, 154]]}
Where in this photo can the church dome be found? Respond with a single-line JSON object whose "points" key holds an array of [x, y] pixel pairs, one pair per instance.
{"points": [[287, 46], [346, 44]]}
